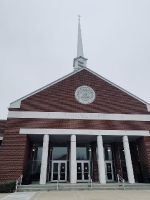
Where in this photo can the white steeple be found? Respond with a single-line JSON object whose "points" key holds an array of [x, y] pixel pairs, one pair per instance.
{"points": [[79, 62], [79, 45]]}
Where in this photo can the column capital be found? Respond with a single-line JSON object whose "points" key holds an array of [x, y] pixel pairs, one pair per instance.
{"points": [[73, 138], [46, 138], [99, 138], [125, 138]]}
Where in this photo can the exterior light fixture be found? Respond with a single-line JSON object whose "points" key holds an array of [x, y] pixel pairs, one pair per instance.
{"points": [[33, 149]]}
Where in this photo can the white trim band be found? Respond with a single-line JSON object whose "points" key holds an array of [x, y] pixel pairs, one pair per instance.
{"points": [[43, 131], [1, 138], [86, 116]]}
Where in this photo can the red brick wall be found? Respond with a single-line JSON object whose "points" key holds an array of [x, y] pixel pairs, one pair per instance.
{"points": [[94, 162], [2, 127], [78, 124], [61, 97], [134, 158], [116, 159], [144, 151], [14, 153]]}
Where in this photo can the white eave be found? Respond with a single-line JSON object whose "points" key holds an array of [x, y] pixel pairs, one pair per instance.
{"points": [[17, 103]]}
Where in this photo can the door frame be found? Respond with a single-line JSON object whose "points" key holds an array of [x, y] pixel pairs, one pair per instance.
{"points": [[82, 164], [59, 163], [111, 171]]}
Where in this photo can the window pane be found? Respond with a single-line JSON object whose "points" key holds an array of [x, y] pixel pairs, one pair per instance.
{"points": [[123, 165], [82, 153], [86, 167], [36, 153], [79, 167], [121, 151], [109, 176], [108, 153], [36, 167], [55, 167], [62, 167], [59, 153]]}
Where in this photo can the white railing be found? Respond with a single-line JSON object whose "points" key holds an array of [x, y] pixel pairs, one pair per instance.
{"points": [[18, 182], [57, 184], [91, 184], [121, 181]]}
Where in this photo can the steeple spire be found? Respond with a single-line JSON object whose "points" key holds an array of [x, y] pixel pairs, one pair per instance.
{"points": [[79, 45], [79, 62]]}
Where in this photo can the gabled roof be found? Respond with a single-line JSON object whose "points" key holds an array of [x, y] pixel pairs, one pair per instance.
{"points": [[17, 103]]}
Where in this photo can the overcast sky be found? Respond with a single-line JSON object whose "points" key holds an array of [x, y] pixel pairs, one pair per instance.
{"points": [[38, 41]]}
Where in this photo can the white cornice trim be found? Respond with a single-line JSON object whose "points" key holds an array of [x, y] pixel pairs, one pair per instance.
{"points": [[1, 138], [83, 132], [148, 107], [16, 104], [85, 116]]}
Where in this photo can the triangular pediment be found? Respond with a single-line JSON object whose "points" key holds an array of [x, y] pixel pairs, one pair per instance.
{"points": [[75, 79]]}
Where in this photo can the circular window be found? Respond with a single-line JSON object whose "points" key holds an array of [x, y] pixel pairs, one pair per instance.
{"points": [[85, 94]]}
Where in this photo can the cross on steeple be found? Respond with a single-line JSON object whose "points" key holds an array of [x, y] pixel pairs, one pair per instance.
{"points": [[79, 17]]}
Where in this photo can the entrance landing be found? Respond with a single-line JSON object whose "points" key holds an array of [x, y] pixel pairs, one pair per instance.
{"points": [[82, 186]]}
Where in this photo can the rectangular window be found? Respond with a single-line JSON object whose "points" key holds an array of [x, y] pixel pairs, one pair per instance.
{"points": [[59, 153], [107, 153], [36, 156], [83, 153], [123, 162], [0, 143]]}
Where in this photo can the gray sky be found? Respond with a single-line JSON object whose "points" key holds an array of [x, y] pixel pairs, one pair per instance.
{"points": [[38, 41]]}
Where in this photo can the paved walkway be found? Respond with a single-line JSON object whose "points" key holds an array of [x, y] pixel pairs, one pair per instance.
{"points": [[81, 195], [19, 196]]}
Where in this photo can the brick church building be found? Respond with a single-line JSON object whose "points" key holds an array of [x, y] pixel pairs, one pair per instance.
{"points": [[77, 128]]}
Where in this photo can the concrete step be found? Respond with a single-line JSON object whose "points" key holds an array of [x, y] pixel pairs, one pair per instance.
{"points": [[83, 186]]}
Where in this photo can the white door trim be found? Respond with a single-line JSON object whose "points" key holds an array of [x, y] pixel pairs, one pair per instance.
{"points": [[82, 164], [59, 163], [111, 171]]}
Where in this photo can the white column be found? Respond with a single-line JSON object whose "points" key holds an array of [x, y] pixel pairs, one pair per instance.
{"points": [[73, 163], [44, 159], [128, 159], [101, 164]]}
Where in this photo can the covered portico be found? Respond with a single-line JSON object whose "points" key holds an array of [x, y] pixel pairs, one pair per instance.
{"points": [[76, 136]]}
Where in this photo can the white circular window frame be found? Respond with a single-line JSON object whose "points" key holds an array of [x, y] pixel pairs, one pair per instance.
{"points": [[89, 100]]}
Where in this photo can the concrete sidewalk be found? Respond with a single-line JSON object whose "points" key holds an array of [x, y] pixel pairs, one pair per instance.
{"points": [[81, 195], [19, 196]]}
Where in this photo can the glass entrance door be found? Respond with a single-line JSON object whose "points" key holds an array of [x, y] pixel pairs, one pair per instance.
{"points": [[109, 171], [59, 171], [83, 171]]}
